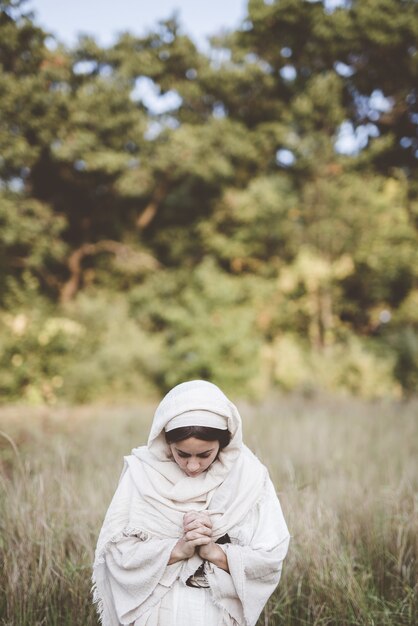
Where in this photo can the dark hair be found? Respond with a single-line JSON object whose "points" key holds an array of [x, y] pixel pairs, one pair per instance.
{"points": [[199, 432]]}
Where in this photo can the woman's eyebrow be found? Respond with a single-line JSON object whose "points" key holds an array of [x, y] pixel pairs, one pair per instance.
{"points": [[199, 454]]}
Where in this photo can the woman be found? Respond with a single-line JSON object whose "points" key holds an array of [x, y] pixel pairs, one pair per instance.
{"points": [[194, 534]]}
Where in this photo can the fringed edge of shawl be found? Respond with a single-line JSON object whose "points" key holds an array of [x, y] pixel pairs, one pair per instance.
{"points": [[98, 602], [99, 560]]}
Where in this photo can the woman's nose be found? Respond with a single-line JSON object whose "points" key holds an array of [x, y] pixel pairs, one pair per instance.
{"points": [[193, 465]]}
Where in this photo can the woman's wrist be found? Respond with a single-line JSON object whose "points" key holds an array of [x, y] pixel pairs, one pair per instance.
{"points": [[213, 552], [180, 552]]}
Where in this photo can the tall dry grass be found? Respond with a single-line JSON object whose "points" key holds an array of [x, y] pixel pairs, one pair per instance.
{"points": [[346, 472]]}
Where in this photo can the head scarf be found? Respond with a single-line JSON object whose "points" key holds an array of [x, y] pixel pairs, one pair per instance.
{"points": [[154, 493], [197, 418]]}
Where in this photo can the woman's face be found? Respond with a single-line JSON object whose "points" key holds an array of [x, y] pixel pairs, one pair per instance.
{"points": [[194, 456]]}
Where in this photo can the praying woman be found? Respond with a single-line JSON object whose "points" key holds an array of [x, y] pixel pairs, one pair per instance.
{"points": [[194, 535]]}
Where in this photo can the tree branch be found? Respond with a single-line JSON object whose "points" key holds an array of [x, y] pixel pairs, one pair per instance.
{"points": [[145, 218], [141, 260]]}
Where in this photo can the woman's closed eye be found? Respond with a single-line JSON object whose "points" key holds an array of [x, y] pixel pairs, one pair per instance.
{"points": [[185, 455]]}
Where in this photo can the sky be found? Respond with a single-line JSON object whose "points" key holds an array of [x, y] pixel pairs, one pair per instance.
{"points": [[106, 18]]}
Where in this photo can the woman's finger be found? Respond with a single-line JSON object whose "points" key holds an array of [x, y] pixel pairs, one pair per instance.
{"points": [[190, 516], [197, 523], [191, 535], [200, 541], [192, 525], [197, 518], [203, 530]]}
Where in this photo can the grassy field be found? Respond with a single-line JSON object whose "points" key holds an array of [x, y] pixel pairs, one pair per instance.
{"points": [[346, 472]]}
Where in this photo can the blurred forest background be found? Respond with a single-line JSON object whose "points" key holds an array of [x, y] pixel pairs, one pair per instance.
{"points": [[247, 215]]}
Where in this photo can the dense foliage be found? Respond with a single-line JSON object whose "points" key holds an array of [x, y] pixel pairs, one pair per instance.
{"points": [[247, 215]]}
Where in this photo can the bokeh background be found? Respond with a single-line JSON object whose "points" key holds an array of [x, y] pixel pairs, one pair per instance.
{"points": [[241, 208], [247, 213]]}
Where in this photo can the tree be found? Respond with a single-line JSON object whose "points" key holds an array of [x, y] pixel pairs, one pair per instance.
{"points": [[215, 191]]}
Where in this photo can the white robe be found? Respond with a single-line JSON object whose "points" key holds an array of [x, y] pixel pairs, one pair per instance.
{"points": [[148, 592]]}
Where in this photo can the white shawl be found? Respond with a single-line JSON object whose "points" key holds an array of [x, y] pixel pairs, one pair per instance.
{"points": [[154, 493]]}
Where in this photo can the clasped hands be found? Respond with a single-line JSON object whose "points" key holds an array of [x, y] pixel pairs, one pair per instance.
{"points": [[197, 537]]}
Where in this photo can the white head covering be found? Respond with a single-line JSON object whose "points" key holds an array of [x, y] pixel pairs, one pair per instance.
{"points": [[197, 418], [194, 403]]}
